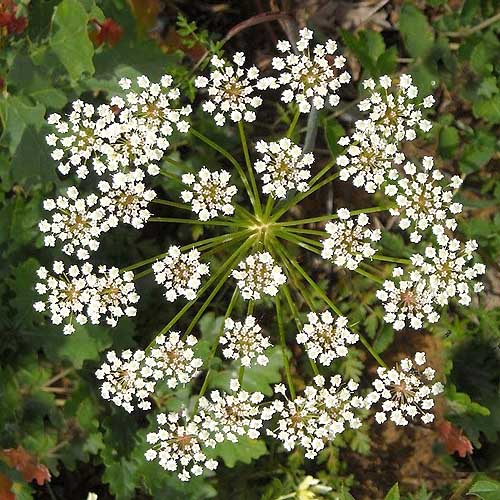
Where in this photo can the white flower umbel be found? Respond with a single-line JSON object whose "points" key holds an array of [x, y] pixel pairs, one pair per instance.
{"points": [[66, 294], [172, 359], [394, 115], [312, 420], [148, 116], [227, 417], [180, 273], [405, 392], [311, 78], [258, 274], [114, 296], [350, 241], [422, 203], [76, 222], [131, 131], [326, 338], [408, 300], [243, 341], [283, 167], [370, 160], [126, 198], [210, 194], [127, 380], [179, 445], [80, 138], [449, 270], [231, 90]]}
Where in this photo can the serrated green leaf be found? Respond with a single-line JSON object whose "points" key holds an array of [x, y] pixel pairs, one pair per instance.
{"points": [[245, 450], [121, 478], [69, 38], [486, 489], [449, 140], [418, 35], [333, 132], [393, 493], [489, 109]]}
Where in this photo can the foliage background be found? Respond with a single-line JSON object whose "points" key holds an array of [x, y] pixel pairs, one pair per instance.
{"points": [[49, 401]]}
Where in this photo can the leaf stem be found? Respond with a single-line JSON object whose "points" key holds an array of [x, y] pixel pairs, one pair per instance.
{"points": [[293, 124], [281, 329], [386, 258], [257, 205], [195, 222], [175, 204]]}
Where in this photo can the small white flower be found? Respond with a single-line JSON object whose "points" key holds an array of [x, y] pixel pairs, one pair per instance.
{"points": [[283, 167], [210, 195], [231, 90], [311, 78], [76, 222], [180, 273], [258, 274], [228, 417], [243, 341], [312, 420], [126, 199], [172, 360], [126, 380], [178, 445], [405, 392], [350, 241], [326, 339]]}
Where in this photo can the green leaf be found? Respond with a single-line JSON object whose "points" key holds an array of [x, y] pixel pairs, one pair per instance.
{"points": [[393, 493], [245, 450], [418, 36], [121, 478], [478, 152], [488, 109], [333, 132], [487, 489], [449, 140], [257, 378], [69, 38], [17, 116]]}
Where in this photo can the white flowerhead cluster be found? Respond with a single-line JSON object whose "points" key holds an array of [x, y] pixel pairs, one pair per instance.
{"points": [[449, 270], [283, 167], [315, 418], [243, 341], [127, 380], [405, 392], [227, 417], [210, 194], [178, 445], [407, 299], [394, 115], [311, 78], [136, 135], [231, 90], [370, 160], [76, 222], [422, 203], [433, 278], [126, 198], [67, 294], [350, 241], [326, 338], [173, 361], [258, 274], [113, 295], [180, 273]]}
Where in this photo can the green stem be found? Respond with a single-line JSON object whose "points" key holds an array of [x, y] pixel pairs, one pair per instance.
{"points": [[281, 329], [195, 222], [301, 230], [296, 316], [241, 373], [296, 240], [178, 164], [396, 260], [213, 350], [229, 157], [182, 206], [211, 280], [293, 124], [369, 275], [328, 217], [140, 275], [322, 172], [257, 206], [298, 198]]}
